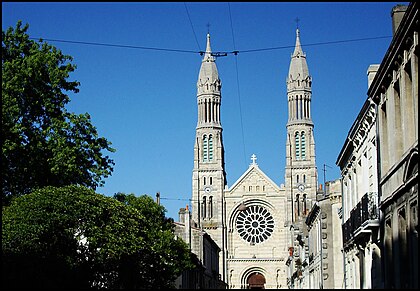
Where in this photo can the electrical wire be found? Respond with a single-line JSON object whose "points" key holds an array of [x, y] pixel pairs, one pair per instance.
{"points": [[234, 52], [116, 45], [237, 82], [312, 44], [192, 27]]}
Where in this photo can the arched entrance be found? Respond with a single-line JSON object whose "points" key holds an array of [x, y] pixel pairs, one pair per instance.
{"points": [[256, 281]]}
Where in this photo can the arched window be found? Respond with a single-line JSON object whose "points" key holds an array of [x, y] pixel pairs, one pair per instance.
{"points": [[210, 207], [303, 146], [205, 148], [203, 207], [297, 146], [297, 206], [304, 178], [297, 178], [210, 147], [304, 204], [211, 180]]}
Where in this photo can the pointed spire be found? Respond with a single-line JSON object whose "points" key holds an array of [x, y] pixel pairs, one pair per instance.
{"points": [[298, 67], [208, 57], [208, 78], [298, 48]]}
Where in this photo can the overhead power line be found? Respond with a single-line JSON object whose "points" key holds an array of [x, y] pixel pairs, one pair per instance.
{"points": [[313, 44], [116, 45], [235, 52], [192, 27], [237, 83]]}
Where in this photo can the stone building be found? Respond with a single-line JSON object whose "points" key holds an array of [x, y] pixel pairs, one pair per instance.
{"points": [[379, 169], [322, 267], [250, 221], [395, 90], [206, 255], [357, 161]]}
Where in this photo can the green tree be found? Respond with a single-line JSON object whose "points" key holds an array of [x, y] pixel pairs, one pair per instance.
{"points": [[166, 258], [72, 237], [42, 143]]}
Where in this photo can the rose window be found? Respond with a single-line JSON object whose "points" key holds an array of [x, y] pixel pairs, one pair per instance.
{"points": [[255, 224]]}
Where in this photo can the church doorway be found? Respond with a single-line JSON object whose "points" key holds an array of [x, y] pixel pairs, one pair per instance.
{"points": [[256, 281]]}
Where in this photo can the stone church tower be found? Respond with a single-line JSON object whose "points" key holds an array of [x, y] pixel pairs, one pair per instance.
{"points": [[301, 173], [209, 177]]}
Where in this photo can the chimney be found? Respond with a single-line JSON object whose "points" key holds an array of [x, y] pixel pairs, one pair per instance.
{"points": [[181, 214], [371, 72], [158, 198], [397, 14], [187, 225]]}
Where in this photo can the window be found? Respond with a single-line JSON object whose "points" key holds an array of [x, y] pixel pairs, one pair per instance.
{"points": [[210, 207], [205, 148], [210, 147], [297, 146], [255, 224], [203, 207], [303, 146], [389, 258]]}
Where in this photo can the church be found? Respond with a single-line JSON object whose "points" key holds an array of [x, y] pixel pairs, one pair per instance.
{"points": [[250, 221]]}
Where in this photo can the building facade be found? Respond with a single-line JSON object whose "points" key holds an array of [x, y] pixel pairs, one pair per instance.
{"points": [[379, 169], [206, 256], [394, 90], [323, 267], [360, 214], [250, 221]]}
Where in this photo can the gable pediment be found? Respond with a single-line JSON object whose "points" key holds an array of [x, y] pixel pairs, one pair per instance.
{"points": [[253, 181]]}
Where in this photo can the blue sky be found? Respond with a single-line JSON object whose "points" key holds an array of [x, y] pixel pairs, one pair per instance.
{"points": [[144, 100]]}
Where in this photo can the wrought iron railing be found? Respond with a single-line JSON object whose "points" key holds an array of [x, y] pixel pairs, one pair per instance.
{"points": [[365, 210]]}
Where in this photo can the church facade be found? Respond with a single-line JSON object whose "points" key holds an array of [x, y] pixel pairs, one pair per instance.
{"points": [[251, 220]]}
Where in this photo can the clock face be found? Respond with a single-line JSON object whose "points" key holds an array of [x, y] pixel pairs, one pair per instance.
{"points": [[207, 189], [301, 187]]}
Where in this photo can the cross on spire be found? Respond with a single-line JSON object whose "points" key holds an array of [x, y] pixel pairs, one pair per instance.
{"points": [[208, 27], [297, 22], [253, 159]]}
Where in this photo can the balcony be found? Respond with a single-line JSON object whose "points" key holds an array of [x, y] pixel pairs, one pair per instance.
{"points": [[363, 218]]}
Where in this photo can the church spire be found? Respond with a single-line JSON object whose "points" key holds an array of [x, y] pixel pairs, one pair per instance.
{"points": [[299, 84], [208, 90], [298, 48], [208, 71], [208, 57], [298, 69], [209, 177], [300, 173]]}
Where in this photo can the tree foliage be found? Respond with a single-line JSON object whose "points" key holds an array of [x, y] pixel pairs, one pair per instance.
{"points": [[72, 237], [165, 259], [42, 143]]}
